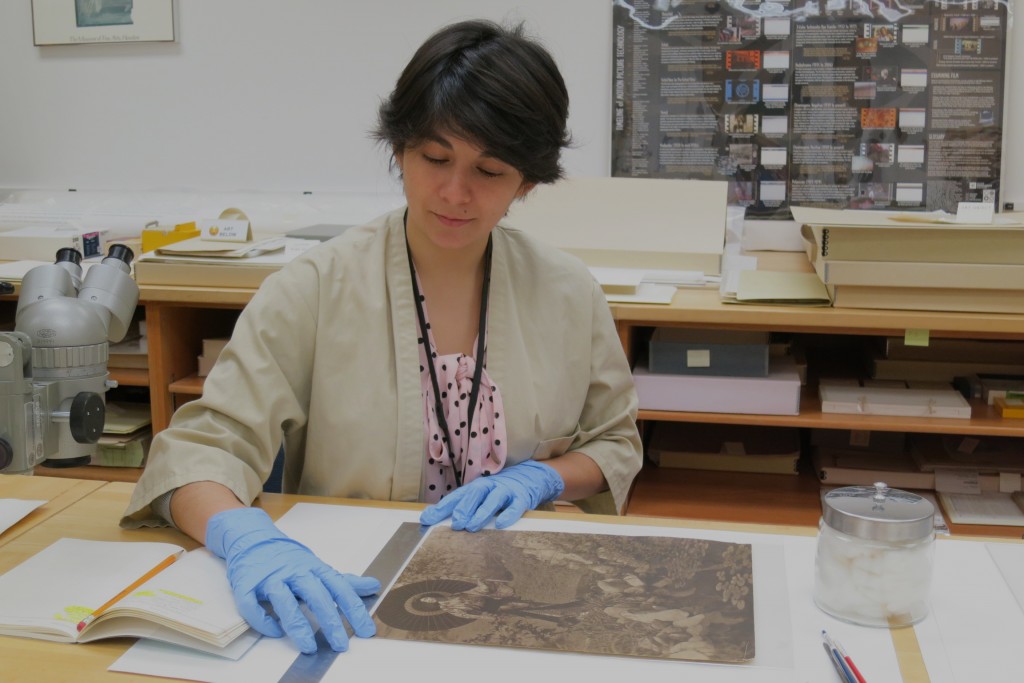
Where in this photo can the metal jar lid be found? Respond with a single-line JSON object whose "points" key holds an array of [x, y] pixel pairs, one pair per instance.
{"points": [[878, 513]]}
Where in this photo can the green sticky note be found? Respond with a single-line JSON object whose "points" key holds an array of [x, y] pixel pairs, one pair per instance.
{"points": [[916, 338]]}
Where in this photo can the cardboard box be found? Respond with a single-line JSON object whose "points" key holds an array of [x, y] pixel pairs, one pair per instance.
{"points": [[901, 401], [154, 237], [211, 352], [42, 243], [185, 274], [1009, 407], [649, 223], [728, 353], [973, 452], [859, 440], [899, 472], [776, 394], [732, 448]]}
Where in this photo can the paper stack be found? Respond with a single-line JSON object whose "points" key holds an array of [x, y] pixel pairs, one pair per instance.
{"points": [[862, 457], [200, 263], [211, 351], [40, 243], [945, 360], [132, 351], [126, 435], [997, 508], [898, 398], [895, 260], [768, 287], [733, 448], [643, 286]]}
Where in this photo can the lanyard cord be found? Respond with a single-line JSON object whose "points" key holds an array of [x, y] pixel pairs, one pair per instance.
{"points": [[478, 371]]}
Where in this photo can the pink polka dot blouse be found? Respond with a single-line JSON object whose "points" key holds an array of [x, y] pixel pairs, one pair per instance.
{"points": [[480, 448]]}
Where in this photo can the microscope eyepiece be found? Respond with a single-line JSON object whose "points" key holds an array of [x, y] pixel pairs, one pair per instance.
{"points": [[121, 252], [69, 254]]}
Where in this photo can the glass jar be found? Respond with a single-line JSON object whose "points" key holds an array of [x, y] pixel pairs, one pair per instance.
{"points": [[874, 557]]}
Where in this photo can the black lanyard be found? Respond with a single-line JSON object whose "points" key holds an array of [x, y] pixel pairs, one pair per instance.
{"points": [[475, 386]]}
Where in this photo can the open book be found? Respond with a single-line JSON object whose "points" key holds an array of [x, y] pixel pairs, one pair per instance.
{"points": [[76, 591]]}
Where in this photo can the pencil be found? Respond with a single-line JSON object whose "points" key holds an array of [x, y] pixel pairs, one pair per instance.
{"points": [[135, 584]]}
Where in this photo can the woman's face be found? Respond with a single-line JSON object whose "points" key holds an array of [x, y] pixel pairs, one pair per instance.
{"points": [[456, 192]]}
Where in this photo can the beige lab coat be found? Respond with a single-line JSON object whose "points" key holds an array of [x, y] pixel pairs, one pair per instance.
{"points": [[325, 359]]}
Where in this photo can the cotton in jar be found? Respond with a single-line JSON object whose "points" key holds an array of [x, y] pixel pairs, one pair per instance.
{"points": [[874, 557]]}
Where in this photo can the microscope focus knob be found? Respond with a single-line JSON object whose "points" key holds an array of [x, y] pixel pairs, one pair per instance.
{"points": [[88, 413]]}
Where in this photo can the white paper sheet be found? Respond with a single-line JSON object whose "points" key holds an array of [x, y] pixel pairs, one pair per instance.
{"points": [[974, 630], [349, 538], [13, 510], [646, 293], [1009, 557]]}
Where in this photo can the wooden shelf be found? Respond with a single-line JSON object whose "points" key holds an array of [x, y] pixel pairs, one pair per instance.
{"points": [[191, 385], [984, 420], [702, 307], [787, 499], [91, 472], [200, 296], [130, 377], [792, 500], [178, 318]]}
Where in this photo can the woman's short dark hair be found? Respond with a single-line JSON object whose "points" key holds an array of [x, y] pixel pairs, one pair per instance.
{"points": [[489, 85]]}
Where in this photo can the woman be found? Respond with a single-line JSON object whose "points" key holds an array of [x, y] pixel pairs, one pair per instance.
{"points": [[373, 353]]}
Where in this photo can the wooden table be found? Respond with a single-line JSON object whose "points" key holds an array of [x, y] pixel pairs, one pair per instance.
{"points": [[96, 515], [58, 494]]}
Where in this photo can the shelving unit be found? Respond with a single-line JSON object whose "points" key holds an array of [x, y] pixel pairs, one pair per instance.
{"points": [[178, 318], [176, 323], [130, 377], [984, 420], [787, 499]]}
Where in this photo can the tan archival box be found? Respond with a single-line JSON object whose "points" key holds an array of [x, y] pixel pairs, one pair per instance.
{"points": [[654, 223]]}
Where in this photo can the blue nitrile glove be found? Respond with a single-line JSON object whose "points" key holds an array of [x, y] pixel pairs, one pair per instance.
{"points": [[513, 490], [264, 564]]}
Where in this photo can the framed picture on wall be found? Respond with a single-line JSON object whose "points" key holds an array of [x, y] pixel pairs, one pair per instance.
{"points": [[73, 22]]}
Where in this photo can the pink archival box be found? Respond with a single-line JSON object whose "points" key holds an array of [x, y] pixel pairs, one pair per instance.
{"points": [[776, 394]]}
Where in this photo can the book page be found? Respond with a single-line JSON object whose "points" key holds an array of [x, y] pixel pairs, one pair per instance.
{"points": [[148, 630], [990, 507], [192, 596], [47, 595]]}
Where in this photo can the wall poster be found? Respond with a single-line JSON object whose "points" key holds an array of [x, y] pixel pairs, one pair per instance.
{"points": [[73, 22], [872, 104]]}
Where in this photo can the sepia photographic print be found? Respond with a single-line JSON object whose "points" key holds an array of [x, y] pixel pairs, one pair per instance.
{"points": [[646, 596]]}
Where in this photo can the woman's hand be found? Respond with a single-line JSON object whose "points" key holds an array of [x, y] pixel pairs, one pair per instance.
{"points": [[506, 495], [266, 565]]}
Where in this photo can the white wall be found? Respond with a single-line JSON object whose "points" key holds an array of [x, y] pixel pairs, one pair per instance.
{"points": [[276, 96], [265, 95]]}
